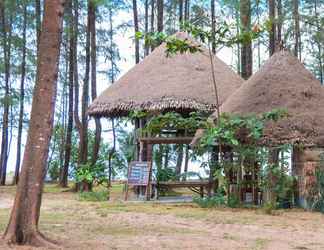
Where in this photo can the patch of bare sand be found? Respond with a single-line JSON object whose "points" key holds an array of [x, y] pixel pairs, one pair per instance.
{"points": [[82, 225]]}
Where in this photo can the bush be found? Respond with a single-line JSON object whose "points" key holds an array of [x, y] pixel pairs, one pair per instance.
{"points": [[268, 208], [92, 174], [208, 202], [317, 199], [54, 170], [166, 174], [94, 196], [233, 201]]}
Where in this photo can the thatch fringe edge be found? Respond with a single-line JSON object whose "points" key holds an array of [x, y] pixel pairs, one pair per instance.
{"points": [[121, 108]]}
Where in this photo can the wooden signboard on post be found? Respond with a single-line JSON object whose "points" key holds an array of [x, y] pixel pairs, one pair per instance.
{"points": [[139, 175]]}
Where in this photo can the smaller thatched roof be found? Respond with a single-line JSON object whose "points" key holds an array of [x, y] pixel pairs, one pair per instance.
{"points": [[283, 82], [179, 83]]}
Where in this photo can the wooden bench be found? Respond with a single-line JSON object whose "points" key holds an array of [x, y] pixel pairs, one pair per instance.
{"points": [[198, 186]]}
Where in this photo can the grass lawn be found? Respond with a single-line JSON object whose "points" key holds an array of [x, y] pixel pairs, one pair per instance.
{"points": [[116, 224]]}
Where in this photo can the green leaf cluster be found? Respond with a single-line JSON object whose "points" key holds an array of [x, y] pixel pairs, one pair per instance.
{"points": [[175, 121]]}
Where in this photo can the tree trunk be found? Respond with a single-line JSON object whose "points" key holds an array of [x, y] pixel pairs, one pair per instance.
{"points": [[96, 145], [180, 13], [319, 44], [237, 18], [246, 48], [212, 172], [187, 10], [146, 48], [152, 19], [63, 182], [213, 25], [83, 150], [62, 113], [75, 64], [137, 56], [279, 21], [297, 45], [111, 153], [160, 15], [22, 96], [5, 118], [259, 40], [272, 33], [38, 22], [23, 224], [152, 15]]}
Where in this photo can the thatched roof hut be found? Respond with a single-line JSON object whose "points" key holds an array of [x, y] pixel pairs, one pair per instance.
{"points": [[283, 82], [179, 83]]}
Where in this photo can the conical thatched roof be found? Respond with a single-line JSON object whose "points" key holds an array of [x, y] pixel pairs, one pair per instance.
{"points": [[283, 82], [179, 83]]}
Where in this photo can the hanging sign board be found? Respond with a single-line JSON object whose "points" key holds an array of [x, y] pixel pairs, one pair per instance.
{"points": [[138, 173]]}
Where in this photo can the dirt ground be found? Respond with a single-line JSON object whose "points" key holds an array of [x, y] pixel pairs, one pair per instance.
{"points": [[118, 225]]}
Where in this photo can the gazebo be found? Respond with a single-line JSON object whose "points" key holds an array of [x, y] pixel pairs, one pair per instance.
{"points": [[181, 83], [284, 82]]}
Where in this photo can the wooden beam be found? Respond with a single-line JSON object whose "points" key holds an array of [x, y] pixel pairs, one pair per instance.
{"points": [[166, 140]]}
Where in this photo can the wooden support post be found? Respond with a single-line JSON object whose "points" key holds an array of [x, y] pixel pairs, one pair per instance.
{"points": [[149, 159], [127, 187], [126, 192], [273, 160], [296, 170], [202, 192], [255, 186]]}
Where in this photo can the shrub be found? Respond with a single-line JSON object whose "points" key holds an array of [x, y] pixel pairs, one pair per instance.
{"points": [[54, 170], [91, 174], [317, 199], [166, 174], [94, 196], [268, 208], [208, 202], [233, 201]]}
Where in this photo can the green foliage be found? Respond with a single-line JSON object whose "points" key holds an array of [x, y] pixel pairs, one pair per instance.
{"points": [[137, 114], [220, 37], [55, 160], [166, 174], [54, 170], [244, 134], [217, 200], [94, 196], [268, 208], [91, 174], [120, 158], [233, 201], [175, 121], [277, 179], [285, 189], [238, 131], [316, 198]]}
